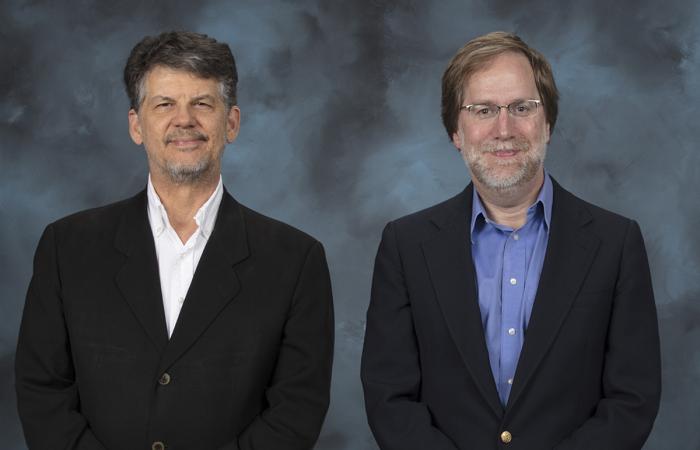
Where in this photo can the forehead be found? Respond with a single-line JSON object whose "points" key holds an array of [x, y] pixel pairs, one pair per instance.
{"points": [[507, 77], [166, 81]]}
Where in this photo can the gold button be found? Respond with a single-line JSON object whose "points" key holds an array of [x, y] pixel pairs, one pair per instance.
{"points": [[164, 380], [157, 445], [506, 437]]}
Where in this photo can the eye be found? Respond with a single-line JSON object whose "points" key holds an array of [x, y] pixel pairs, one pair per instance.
{"points": [[481, 110], [163, 105], [522, 107], [485, 111], [203, 104]]}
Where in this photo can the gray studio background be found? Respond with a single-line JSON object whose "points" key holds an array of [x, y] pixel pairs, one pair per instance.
{"points": [[341, 133]]}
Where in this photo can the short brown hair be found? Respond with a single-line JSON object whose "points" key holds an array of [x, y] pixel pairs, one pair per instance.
{"points": [[476, 55], [194, 52]]}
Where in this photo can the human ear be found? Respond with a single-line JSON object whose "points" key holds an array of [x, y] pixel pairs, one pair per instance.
{"points": [[135, 127]]}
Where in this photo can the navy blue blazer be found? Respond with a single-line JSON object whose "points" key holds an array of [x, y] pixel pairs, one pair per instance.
{"points": [[588, 376]]}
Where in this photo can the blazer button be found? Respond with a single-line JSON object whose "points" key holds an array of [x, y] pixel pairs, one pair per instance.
{"points": [[157, 445], [164, 380], [506, 437]]}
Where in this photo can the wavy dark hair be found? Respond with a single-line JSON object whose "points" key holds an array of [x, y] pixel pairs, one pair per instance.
{"points": [[184, 50]]}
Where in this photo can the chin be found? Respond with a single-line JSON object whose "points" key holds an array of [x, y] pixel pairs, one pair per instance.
{"points": [[188, 173], [505, 181]]}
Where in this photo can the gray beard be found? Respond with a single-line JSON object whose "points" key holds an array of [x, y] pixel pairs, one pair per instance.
{"points": [[525, 173], [181, 174]]}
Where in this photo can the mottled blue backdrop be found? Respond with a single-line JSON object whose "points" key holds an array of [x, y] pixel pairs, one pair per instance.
{"points": [[341, 133]]}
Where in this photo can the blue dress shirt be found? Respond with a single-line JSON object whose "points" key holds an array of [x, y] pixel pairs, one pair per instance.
{"points": [[508, 264]]}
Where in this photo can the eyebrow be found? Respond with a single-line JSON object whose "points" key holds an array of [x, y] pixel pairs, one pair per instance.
{"points": [[486, 102], [160, 98], [204, 97]]}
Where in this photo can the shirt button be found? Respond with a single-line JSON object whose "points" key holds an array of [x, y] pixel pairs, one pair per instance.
{"points": [[511, 331], [506, 437], [157, 445], [510, 381], [515, 237], [513, 281], [164, 380], [181, 300]]}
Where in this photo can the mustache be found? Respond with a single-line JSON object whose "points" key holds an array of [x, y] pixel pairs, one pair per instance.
{"points": [[515, 144], [189, 135]]}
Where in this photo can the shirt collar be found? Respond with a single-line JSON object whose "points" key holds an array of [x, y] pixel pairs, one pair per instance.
{"points": [[544, 198], [205, 216]]}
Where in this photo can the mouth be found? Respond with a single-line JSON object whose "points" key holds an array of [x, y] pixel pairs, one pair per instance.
{"points": [[186, 142], [504, 153]]}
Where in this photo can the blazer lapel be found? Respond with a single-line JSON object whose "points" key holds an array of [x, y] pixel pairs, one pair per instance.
{"points": [[214, 283], [570, 252], [138, 279], [451, 269]]}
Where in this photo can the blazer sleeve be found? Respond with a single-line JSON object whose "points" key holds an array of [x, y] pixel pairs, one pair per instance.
{"points": [[631, 380], [299, 392], [47, 393], [391, 374]]}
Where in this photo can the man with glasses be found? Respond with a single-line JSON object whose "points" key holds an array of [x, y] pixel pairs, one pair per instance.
{"points": [[513, 315], [178, 318]]}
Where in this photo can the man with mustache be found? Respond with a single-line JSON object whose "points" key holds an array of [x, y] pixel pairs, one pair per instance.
{"points": [[179, 318], [513, 315]]}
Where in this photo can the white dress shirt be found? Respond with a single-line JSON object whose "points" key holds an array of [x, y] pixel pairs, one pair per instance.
{"points": [[177, 262]]}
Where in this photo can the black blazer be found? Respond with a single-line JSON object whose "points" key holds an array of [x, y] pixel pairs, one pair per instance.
{"points": [[588, 376], [248, 365]]}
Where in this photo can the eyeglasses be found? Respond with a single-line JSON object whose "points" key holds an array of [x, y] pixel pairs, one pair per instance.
{"points": [[520, 108]]}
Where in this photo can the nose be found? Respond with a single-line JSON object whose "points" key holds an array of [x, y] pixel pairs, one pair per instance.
{"points": [[504, 124], [183, 117]]}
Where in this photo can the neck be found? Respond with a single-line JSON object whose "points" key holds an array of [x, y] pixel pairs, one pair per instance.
{"points": [[183, 200], [509, 207]]}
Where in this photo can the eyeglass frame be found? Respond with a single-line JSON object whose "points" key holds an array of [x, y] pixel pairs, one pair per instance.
{"points": [[507, 107]]}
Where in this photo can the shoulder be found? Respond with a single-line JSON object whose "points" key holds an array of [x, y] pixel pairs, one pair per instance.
{"points": [[90, 233], [272, 237], [99, 220], [422, 225], [429, 214], [564, 199], [605, 224], [270, 228]]}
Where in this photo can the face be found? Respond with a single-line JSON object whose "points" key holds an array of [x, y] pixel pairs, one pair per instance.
{"points": [[505, 152], [184, 125]]}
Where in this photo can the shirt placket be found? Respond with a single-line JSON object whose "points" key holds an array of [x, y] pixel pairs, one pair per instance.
{"points": [[512, 285]]}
